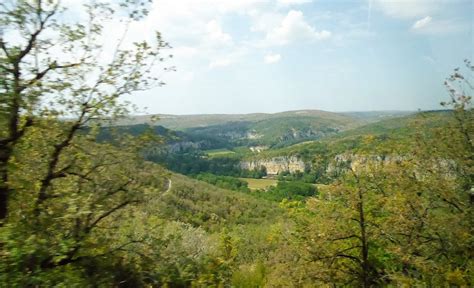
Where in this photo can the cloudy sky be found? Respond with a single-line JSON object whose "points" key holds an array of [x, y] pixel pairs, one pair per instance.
{"points": [[242, 56]]}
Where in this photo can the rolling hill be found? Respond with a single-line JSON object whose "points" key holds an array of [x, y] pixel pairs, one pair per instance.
{"points": [[271, 130]]}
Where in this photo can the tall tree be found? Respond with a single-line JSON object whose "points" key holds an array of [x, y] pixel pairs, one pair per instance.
{"points": [[59, 190], [406, 221], [53, 63]]}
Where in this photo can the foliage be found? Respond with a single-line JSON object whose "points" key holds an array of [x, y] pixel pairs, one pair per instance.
{"points": [[407, 222], [225, 182], [70, 229], [195, 162], [61, 193], [290, 190], [203, 205]]}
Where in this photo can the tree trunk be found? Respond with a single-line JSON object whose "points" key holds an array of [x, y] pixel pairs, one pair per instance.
{"points": [[5, 153], [366, 281]]}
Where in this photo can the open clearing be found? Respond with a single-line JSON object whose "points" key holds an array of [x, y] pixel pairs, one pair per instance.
{"points": [[219, 153], [259, 183]]}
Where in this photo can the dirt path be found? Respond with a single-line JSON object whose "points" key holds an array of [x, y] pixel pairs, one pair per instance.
{"points": [[169, 185]]}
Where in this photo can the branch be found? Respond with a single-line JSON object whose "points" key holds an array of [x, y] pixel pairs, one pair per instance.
{"points": [[353, 258], [18, 134], [49, 264], [34, 36], [108, 213], [345, 238], [4, 48], [58, 148], [52, 66]]}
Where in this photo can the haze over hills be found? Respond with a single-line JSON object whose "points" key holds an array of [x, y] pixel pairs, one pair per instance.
{"points": [[180, 122], [257, 129]]}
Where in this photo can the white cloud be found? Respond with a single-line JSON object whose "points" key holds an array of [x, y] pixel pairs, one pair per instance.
{"points": [[432, 26], [216, 35], [265, 22], [294, 28], [408, 9], [187, 76], [184, 52], [272, 58], [220, 63], [417, 11], [422, 22], [429, 59], [195, 28], [293, 2], [199, 10]]}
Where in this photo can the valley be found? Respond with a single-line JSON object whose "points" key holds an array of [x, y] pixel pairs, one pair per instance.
{"points": [[261, 193], [317, 153], [173, 143]]}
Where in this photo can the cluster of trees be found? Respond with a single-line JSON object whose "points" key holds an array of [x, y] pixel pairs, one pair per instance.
{"points": [[405, 223], [287, 190], [62, 193], [195, 162], [257, 172], [226, 182], [307, 176]]}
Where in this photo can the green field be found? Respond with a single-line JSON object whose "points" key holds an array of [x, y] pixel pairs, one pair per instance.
{"points": [[219, 153], [259, 183]]}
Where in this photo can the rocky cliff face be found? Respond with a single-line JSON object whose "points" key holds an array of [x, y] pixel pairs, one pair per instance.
{"points": [[308, 133], [344, 162], [276, 165], [185, 145], [340, 164]]}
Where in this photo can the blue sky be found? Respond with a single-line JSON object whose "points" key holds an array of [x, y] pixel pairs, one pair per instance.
{"points": [[244, 56]]}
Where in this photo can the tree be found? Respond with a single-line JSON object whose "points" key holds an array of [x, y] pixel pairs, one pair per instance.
{"points": [[407, 221], [341, 235], [59, 81], [439, 219], [73, 84]]}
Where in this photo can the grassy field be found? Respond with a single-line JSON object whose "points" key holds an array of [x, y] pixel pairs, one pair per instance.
{"points": [[259, 183], [322, 187], [219, 153]]}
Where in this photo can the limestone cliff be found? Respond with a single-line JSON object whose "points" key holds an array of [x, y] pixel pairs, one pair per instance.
{"points": [[276, 165], [339, 164], [356, 162], [348, 161]]}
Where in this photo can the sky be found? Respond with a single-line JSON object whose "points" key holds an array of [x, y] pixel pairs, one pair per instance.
{"points": [[245, 56]]}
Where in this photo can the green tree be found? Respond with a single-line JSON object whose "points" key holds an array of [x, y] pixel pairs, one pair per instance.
{"points": [[434, 227], [58, 188], [407, 221], [37, 84], [340, 232]]}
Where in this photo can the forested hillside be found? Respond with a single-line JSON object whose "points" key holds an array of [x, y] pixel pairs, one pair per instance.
{"points": [[279, 129]]}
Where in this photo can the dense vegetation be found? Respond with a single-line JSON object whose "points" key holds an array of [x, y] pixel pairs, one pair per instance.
{"points": [[81, 206], [195, 162], [225, 182], [289, 190]]}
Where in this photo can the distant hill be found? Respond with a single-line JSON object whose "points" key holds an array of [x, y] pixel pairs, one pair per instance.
{"points": [[277, 129], [374, 116], [289, 141], [390, 131], [182, 122]]}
